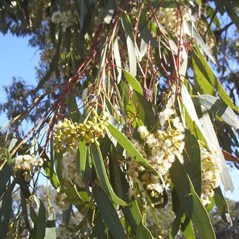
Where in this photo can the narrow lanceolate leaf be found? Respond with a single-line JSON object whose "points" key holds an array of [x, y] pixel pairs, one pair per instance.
{"points": [[130, 42], [192, 31], [51, 227], [133, 82], [194, 160], [222, 206], [5, 211], [101, 173], [101, 71], [49, 168], [130, 149], [201, 65], [232, 12], [188, 104], [188, 231], [218, 107], [108, 213], [5, 174], [190, 201], [82, 157], [142, 231], [78, 198], [73, 110], [39, 219], [117, 59], [214, 146]]}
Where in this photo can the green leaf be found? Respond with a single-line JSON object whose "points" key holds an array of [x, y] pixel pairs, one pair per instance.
{"points": [[101, 173], [184, 223], [222, 206], [117, 59], [201, 81], [134, 208], [108, 213], [130, 149], [99, 228], [192, 119], [202, 65], [175, 226], [131, 45], [194, 160], [216, 152], [145, 110], [218, 107], [48, 167], [5, 174], [188, 230], [73, 110], [198, 2], [192, 31], [5, 211], [142, 231], [12, 144], [74, 196], [232, 12], [133, 114], [119, 182], [133, 82], [101, 70], [116, 175], [51, 227], [190, 201], [82, 157], [39, 220]]}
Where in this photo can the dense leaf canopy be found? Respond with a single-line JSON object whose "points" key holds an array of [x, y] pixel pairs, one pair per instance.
{"points": [[134, 116]]}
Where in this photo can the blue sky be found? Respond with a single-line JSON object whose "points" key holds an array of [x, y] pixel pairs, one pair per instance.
{"points": [[18, 59]]}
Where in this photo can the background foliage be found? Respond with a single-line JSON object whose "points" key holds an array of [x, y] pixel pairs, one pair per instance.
{"points": [[133, 117]]}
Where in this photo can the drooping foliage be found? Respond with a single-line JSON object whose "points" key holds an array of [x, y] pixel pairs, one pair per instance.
{"points": [[129, 120]]}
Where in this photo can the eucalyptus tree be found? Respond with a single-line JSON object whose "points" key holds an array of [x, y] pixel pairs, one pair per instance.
{"points": [[129, 120]]}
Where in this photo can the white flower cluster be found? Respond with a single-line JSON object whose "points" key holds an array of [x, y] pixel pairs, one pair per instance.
{"points": [[160, 149], [62, 232], [64, 19], [210, 175], [69, 170], [61, 200], [70, 230], [26, 165]]}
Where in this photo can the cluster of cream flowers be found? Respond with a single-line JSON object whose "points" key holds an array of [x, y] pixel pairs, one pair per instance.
{"points": [[69, 170], [210, 175], [61, 200], [27, 165], [71, 229], [68, 134], [65, 19], [160, 149]]}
